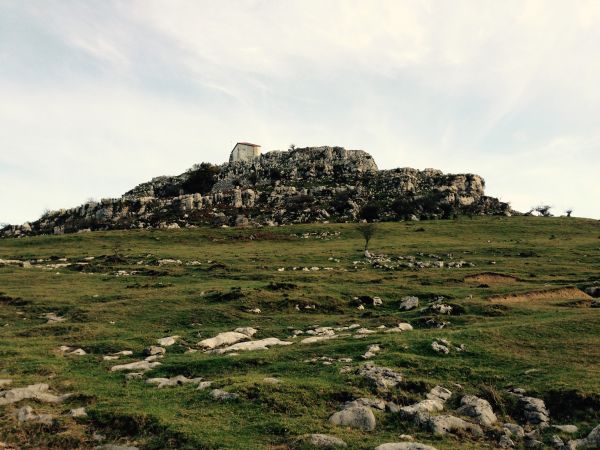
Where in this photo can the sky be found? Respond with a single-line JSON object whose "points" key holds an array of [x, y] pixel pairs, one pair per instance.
{"points": [[99, 96]]}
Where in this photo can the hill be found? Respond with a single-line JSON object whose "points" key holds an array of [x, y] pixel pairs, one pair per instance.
{"points": [[502, 315], [305, 185]]}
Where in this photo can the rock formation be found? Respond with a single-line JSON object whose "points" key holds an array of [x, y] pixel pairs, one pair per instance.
{"points": [[317, 184]]}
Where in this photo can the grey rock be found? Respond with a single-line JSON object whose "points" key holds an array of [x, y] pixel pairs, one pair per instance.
{"points": [[360, 417], [26, 414], [370, 402], [409, 302], [322, 440], [221, 395], [479, 409], [382, 378], [570, 429], [35, 391], [404, 446], [444, 424], [154, 350]]}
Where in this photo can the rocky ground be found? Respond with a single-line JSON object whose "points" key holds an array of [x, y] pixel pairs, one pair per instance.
{"points": [[469, 334], [308, 185]]}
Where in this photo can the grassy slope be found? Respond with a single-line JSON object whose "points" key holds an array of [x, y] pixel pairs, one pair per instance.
{"points": [[559, 340]]}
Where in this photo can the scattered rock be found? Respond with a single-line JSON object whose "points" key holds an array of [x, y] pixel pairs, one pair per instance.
{"points": [[371, 351], [505, 442], [35, 391], [53, 318], [26, 414], [115, 447], [439, 348], [314, 339], [360, 417], [439, 393], [226, 338], [178, 380], [370, 402], [78, 412], [262, 344], [409, 302], [322, 440], [137, 365], [154, 350], [479, 409], [167, 341], [248, 331], [591, 441], [569, 429], [377, 301], [399, 328], [513, 429], [536, 412], [204, 385], [443, 424], [221, 395], [271, 380], [404, 446], [383, 378], [134, 376]]}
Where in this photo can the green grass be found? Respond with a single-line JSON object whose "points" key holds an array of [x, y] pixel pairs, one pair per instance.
{"points": [[559, 338]]}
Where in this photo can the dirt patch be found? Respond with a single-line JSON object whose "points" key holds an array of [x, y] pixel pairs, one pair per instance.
{"points": [[491, 278], [567, 293]]}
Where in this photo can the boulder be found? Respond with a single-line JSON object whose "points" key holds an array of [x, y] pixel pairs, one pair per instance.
{"points": [[154, 350], [322, 440], [78, 412], [221, 395], [226, 338], [248, 331], [477, 408], [26, 414], [360, 417], [409, 302], [444, 424], [569, 429], [137, 365], [591, 441], [262, 344], [35, 391], [382, 378], [404, 446], [178, 380], [370, 402], [167, 341]]}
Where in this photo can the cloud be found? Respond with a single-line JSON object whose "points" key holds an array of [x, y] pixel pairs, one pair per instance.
{"points": [[97, 97]]}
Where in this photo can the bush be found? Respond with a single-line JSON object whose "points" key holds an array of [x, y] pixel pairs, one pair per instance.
{"points": [[201, 180], [370, 212]]}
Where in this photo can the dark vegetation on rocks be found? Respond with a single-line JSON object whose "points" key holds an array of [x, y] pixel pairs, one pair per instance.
{"points": [[305, 185]]}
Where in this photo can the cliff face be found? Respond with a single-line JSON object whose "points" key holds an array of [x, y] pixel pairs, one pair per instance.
{"points": [[297, 186]]}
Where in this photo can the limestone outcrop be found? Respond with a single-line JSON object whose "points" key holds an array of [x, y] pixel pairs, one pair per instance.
{"points": [[315, 184]]}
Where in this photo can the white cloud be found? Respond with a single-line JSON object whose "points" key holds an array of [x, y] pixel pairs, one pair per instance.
{"points": [[99, 96]]}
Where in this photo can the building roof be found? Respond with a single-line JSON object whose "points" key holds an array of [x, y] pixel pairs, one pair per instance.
{"points": [[248, 143]]}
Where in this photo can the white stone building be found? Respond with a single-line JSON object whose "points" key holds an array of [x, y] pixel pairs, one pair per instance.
{"points": [[244, 151]]}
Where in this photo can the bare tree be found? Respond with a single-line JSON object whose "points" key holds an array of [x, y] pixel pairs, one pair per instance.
{"points": [[292, 147], [568, 212], [544, 210], [367, 230]]}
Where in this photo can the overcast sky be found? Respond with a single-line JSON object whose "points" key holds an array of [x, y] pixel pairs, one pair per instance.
{"points": [[98, 96]]}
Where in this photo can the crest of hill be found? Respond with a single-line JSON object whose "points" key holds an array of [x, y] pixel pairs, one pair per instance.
{"points": [[303, 185]]}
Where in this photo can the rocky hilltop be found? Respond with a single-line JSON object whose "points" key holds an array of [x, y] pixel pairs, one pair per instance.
{"points": [[315, 184]]}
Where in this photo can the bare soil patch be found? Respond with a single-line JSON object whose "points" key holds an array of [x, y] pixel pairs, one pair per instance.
{"points": [[490, 278], [566, 293]]}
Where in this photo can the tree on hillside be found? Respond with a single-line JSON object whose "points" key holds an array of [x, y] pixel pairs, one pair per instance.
{"points": [[568, 212], [367, 230], [544, 210]]}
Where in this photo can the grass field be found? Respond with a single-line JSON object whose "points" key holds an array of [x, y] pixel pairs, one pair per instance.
{"points": [[123, 299]]}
